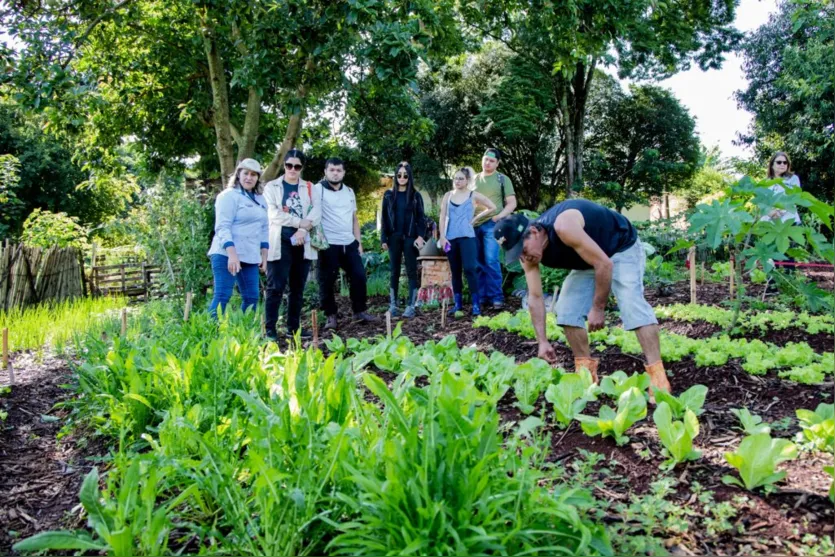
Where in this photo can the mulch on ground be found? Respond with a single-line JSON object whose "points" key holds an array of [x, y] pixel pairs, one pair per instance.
{"points": [[41, 474]]}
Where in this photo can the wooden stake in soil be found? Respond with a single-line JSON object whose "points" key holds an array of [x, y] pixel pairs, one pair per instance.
{"points": [[314, 324], [388, 324], [443, 314], [693, 275], [554, 299], [6, 355], [124, 321], [731, 282], [188, 306]]}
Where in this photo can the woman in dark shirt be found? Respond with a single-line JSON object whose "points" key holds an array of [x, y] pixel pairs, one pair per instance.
{"points": [[404, 223]]}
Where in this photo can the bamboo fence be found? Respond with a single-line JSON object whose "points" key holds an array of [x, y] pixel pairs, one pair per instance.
{"points": [[30, 275]]}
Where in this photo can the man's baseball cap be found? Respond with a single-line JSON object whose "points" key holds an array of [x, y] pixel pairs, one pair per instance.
{"points": [[493, 152], [509, 233]]}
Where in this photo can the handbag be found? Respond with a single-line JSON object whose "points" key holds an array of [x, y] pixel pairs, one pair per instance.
{"points": [[318, 241]]}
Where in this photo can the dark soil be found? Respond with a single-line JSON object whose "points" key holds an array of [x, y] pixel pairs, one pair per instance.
{"points": [[41, 475], [774, 523]]}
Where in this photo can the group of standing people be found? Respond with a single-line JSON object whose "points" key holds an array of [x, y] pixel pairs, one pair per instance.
{"points": [[466, 236], [279, 228]]}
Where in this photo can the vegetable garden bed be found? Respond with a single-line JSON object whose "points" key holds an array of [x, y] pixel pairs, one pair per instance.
{"points": [[620, 491]]}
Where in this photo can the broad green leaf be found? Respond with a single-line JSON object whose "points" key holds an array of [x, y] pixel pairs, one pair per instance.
{"points": [[57, 541], [96, 514], [757, 457]]}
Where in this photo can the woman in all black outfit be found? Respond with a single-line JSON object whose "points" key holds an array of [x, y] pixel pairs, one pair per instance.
{"points": [[404, 223]]}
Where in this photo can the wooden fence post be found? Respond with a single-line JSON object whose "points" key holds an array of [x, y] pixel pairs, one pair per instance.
{"points": [[124, 287], [443, 314], [314, 324], [388, 324], [693, 275], [188, 306]]}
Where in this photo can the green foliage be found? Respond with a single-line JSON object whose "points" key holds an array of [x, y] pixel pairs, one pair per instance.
{"points": [[644, 144], [789, 65], [752, 424], [756, 460], [676, 436], [818, 427], [174, 228], [570, 395], [532, 378], [11, 207], [46, 230], [632, 407], [690, 400], [618, 383]]}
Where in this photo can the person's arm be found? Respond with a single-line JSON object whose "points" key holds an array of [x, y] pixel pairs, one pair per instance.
{"points": [[225, 208], [570, 227], [265, 243], [443, 219], [420, 220], [314, 216], [275, 212], [536, 307], [357, 234], [509, 207], [485, 202], [384, 237]]}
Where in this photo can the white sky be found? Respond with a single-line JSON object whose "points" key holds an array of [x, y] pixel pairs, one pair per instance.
{"points": [[709, 95]]}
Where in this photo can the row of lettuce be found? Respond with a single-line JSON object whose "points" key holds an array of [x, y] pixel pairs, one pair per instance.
{"points": [[795, 361]]}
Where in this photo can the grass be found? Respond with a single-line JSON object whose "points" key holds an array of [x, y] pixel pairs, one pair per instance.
{"points": [[53, 325]]}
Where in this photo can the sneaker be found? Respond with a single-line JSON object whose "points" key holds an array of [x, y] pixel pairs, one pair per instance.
{"points": [[271, 337], [365, 317], [330, 323], [497, 304]]}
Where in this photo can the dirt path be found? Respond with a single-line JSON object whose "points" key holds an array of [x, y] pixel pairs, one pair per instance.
{"points": [[41, 475]]}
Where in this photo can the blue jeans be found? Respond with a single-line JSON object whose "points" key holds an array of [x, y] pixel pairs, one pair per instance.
{"points": [[489, 266], [247, 280]]}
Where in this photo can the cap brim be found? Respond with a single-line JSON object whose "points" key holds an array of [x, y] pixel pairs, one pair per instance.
{"points": [[513, 254]]}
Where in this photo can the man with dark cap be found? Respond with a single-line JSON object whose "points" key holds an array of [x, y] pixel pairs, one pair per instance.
{"points": [[602, 249], [499, 189]]}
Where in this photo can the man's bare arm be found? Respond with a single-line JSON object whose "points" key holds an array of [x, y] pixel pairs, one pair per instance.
{"points": [[536, 303], [570, 227]]}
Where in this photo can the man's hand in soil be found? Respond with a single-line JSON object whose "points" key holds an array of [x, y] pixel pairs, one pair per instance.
{"points": [[597, 318], [547, 352]]}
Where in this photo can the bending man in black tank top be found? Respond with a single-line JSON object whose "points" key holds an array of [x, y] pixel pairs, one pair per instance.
{"points": [[602, 249]]}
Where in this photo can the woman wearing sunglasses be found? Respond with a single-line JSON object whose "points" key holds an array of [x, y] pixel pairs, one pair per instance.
{"points": [[403, 226], [294, 209], [780, 166]]}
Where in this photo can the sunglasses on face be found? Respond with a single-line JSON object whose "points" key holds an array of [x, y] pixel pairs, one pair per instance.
{"points": [[290, 166], [402, 175], [781, 162]]}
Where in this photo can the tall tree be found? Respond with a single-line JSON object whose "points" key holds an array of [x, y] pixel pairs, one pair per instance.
{"points": [[644, 146], [569, 39], [175, 73], [790, 66]]}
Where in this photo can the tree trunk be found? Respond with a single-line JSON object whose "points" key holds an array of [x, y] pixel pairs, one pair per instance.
{"points": [[253, 119], [568, 134], [220, 105], [582, 83], [294, 127]]}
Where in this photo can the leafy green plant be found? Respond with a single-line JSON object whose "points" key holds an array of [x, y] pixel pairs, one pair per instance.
{"points": [[752, 424], [632, 407], [756, 459], [570, 395], [46, 230], [831, 471], [532, 378], [618, 383], [676, 436], [818, 427], [692, 399]]}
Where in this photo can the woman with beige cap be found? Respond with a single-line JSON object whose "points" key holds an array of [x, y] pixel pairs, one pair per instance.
{"points": [[239, 248]]}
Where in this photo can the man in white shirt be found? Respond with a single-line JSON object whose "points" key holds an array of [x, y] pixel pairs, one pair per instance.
{"points": [[342, 230]]}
